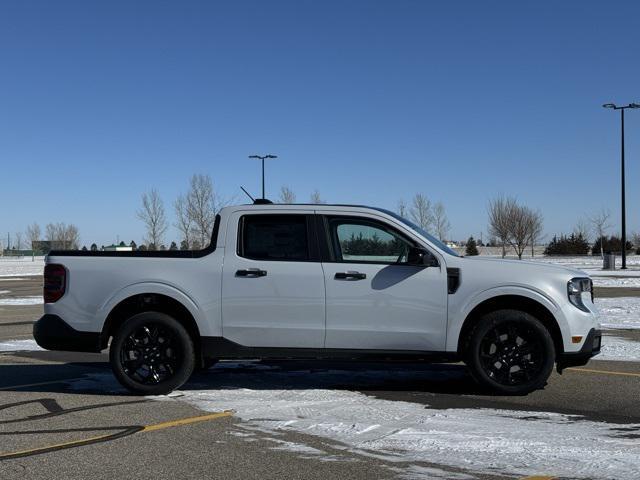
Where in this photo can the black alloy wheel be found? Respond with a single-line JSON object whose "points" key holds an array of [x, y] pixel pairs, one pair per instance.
{"points": [[152, 354], [510, 352]]}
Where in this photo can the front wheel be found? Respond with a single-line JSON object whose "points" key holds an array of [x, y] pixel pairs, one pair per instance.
{"points": [[152, 354], [511, 352]]}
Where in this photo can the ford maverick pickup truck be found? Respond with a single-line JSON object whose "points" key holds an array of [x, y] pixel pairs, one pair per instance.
{"points": [[317, 282]]}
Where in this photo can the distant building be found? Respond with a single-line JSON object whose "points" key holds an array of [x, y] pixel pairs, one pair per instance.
{"points": [[117, 248]]}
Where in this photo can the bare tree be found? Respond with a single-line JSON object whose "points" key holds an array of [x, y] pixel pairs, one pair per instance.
{"points": [[33, 234], [421, 212], [635, 239], [203, 203], [316, 198], [600, 224], [537, 227], [18, 241], [62, 236], [287, 195], [153, 215], [184, 222], [581, 228], [71, 237], [440, 221], [500, 219], [403, 211]]}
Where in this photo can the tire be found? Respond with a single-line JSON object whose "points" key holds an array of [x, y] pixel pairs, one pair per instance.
{"points": [[510, 352], [152, 354]]}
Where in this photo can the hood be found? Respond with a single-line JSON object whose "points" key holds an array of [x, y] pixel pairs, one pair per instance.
{"points": [[519, 268]]}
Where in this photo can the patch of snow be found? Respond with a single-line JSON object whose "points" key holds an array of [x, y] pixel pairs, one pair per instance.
{"points": [[488, 441], [295, 447], [16, 267], [34, 300], [615, 281], [621, 312], [620, 349], [417, 471], [2, 292], [20, 346], [587, 262]]}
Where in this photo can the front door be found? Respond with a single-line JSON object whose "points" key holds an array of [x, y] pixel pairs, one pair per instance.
{"points": [[272, 281], [375, 299]]}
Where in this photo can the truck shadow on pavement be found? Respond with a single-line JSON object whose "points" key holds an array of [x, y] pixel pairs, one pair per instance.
{"points": [[95, 378]]}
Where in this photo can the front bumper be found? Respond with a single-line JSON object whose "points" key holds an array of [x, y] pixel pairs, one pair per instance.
{"points": [[591, 347], [53, 333]]}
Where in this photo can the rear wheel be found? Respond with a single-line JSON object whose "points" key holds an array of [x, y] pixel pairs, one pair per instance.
{"points": [[152, 354], [511, 352]]}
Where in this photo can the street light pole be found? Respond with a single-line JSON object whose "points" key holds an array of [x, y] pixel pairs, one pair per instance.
{"points": [[263, 157], [624, 214]]}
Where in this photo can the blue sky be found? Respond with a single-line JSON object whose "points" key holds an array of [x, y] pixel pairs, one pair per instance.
{"points": [[368, 102]]}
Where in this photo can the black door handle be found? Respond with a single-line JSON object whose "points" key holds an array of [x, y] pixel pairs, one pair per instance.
{"points": [[251, 272], [350, 276]]}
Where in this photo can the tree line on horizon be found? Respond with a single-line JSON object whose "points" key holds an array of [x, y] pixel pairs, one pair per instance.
{"points": [[510, 224]]}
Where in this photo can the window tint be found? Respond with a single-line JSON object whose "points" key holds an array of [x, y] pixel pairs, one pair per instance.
{"points": [[356, 240], [274, 237]]}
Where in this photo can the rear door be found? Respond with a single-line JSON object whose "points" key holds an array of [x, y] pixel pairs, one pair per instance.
{"points": [[375, 298], [272, 281]]}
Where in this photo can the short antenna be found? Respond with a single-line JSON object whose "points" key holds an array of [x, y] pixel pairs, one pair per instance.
{"points": [[248, 194]]}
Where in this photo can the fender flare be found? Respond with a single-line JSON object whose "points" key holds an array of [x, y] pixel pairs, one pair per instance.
{"points": [[456, 323], [149, 288]]}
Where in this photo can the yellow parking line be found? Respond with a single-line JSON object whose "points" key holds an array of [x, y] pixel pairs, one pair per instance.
{"points": [[57, 446], [606, 372], [186, 421], [128, 431]]}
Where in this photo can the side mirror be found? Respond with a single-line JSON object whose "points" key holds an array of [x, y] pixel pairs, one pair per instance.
{"points": [[422, 257]]}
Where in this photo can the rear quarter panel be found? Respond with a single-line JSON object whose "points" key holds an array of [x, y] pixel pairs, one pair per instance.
{"points": [[95, 285]]}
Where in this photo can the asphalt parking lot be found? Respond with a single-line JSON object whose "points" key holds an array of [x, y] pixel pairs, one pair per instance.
{"points": [[57, 420]]}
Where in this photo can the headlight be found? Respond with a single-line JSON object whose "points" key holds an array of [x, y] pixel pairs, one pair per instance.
{"points": [[576, 287]]}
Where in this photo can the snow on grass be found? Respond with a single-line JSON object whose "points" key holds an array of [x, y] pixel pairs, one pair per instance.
{"points": [[619, 349], [476, 441], [17, 267], [2, 292], [34, 300], [621, 312], [602, 281], [19, 346]]}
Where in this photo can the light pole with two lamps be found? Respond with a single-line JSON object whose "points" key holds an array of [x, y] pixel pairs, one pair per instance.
{"points": [[624, 219], [263, 158]]}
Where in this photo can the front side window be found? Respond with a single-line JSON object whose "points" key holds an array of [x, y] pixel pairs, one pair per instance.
{"points": [[274, 237], [357, 240]]}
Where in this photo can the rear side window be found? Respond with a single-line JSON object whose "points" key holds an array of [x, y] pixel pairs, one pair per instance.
{"points": [[274, 237]]}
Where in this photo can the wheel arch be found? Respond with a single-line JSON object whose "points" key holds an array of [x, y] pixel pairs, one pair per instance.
{"points": [[150, 302], [515, 302]]}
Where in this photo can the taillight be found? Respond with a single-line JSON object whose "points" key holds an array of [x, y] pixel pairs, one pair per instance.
{"points": [[55, 282]]}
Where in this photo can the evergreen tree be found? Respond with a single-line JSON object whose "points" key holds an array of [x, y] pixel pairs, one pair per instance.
{"points": [[142, 248], [472, 248], [610, 244], [184, 245], [84, 248], [571, 245], [173, 246], [94, 247], [133, 245]]}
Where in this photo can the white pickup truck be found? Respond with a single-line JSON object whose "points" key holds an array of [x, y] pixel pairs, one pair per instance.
{"points": [[317, 281]]}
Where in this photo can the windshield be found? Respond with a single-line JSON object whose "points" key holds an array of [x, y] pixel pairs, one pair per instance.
{"points": [[420, 231]]}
